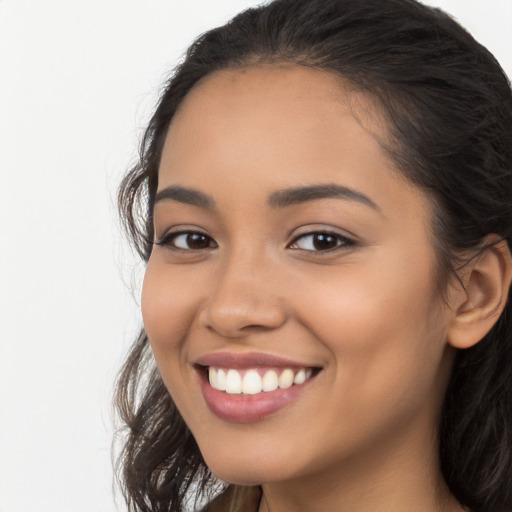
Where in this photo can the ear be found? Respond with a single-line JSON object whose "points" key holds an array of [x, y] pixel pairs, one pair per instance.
{"points": [[487, 281]]}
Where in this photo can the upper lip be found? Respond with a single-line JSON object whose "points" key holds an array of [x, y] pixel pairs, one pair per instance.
{"points": [[248, 360]]}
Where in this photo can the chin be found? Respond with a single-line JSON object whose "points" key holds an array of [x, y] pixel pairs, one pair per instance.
{"points": [[246, 470]]}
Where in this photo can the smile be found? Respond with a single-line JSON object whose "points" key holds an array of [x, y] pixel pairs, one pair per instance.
{"points": [[251, 387], [256, 380], [248, 387]]}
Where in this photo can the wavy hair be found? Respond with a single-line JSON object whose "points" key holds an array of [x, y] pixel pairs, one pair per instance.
{"points": [[448, 108]]}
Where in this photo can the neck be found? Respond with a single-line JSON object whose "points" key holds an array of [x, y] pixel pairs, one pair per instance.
{"points": [[402, 477]]}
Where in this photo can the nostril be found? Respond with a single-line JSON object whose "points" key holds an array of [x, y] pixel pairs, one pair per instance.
{"points": [[232, 319], [238, 332]]}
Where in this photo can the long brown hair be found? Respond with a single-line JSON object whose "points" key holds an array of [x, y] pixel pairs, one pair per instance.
{"points": [[448, 106]]}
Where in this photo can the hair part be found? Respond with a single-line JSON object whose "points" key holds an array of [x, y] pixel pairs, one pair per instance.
{"points": [[448, 109]]}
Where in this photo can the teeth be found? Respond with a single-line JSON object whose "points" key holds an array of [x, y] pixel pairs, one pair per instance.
{"points": [[233, 382], [270, 381], [300, 377], [212, 377], [221, 380], [286, 379], [252, 383]]}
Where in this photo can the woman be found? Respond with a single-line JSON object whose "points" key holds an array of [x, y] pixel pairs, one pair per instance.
{"points": [[323, 203]]}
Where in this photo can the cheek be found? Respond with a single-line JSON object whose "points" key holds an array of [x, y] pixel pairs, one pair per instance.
{"points": [[168, 307], [167, 312], [166, 302], [383, 328]]}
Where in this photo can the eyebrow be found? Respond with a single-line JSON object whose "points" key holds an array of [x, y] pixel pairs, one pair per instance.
{"points": [[278, 199], [293, 196], [186, 196]]}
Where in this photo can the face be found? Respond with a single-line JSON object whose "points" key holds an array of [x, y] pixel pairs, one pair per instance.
{"points": [[293, 267]]}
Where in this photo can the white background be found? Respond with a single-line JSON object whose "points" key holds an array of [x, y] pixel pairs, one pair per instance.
{"points": [[78, 80]]}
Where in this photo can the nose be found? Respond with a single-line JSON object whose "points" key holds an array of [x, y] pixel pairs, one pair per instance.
{"points": [[245, 298]]}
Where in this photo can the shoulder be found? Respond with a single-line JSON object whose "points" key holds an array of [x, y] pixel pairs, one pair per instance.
{"points": [[236, 498]]}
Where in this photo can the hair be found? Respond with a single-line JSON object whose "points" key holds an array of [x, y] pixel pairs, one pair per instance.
{"points": [[448, 110]]}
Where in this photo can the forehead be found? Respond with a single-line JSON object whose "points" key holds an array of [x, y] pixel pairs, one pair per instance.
{"points": [[276, 126], [285, 83], [289, 92]]}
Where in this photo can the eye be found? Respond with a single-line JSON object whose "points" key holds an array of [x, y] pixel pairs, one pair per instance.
{"points": [[320, 241], [187, 241]]}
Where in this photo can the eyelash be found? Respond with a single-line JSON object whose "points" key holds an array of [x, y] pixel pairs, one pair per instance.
{"points": [[323, 237], [169, 239]]}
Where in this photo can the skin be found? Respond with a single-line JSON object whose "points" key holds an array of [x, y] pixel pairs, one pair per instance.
{"points": [[362, 436]]}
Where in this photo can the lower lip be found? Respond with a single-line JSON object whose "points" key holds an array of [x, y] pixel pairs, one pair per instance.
{"points": [[248, 408]]}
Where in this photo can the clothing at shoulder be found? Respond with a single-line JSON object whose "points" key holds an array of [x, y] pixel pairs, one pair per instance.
{"points": [[236, 498]]}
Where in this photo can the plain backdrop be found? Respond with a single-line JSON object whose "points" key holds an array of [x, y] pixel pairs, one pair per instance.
{"points": [[78, 80]]}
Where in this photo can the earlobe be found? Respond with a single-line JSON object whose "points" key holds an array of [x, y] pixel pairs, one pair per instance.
{"points": [[487, 281]]}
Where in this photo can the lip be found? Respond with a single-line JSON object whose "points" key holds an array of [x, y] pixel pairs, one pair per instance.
{"points": [[248, 408], [248, 360]]}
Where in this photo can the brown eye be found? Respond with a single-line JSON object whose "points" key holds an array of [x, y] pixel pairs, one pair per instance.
{"points": [[320, 242], [324, 242], [195, 241], [188, 241]]}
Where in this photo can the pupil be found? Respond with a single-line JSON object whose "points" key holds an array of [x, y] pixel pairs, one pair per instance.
{"points": [[197, 241], [324, 242]]}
